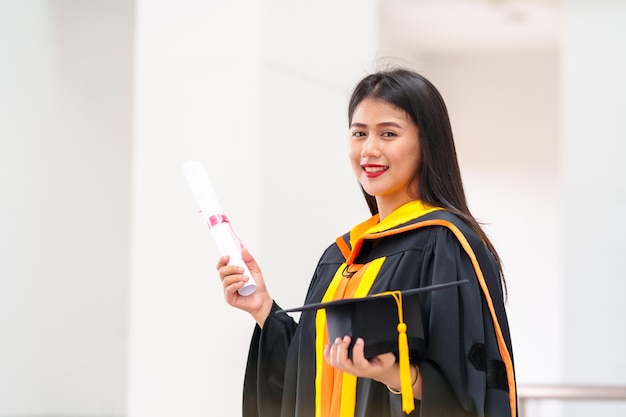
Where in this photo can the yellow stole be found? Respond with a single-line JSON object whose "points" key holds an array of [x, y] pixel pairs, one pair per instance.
{"points": [[335, 391]]}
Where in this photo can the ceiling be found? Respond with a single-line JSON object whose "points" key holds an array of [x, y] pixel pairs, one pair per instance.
{"points": [[444, 26]]}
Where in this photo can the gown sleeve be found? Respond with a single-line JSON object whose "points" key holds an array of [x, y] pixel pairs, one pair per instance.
{"points": [[460, 335], [265, 369]]}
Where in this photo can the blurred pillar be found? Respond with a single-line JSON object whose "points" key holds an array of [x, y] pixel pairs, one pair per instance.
{"points": [[65, 136], [239, 86]]}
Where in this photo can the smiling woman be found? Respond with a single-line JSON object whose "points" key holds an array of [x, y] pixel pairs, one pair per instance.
{"points": [[421, 234]]}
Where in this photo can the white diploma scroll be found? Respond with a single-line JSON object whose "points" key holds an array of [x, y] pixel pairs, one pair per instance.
{"points": [[223, 234]]}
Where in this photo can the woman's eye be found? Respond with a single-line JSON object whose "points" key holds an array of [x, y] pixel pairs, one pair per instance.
{"points": [[389, 134], [358, 134]]}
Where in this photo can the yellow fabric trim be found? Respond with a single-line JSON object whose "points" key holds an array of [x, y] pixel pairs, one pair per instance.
{"points": [[348, 395], [369, 277], [409, 211], [403, 214], [320, 331], [348, 386]]}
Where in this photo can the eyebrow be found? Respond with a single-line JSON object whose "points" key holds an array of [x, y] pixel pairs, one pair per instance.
{"points": [[383, 124]]}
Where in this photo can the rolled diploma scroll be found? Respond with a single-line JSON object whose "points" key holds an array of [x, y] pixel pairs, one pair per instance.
{"points": [[223, 234]]}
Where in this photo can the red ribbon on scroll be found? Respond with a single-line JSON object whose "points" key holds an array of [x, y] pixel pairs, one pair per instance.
{"points": [[216, 219]]}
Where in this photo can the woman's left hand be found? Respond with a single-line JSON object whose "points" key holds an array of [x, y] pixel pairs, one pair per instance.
{"points": [[382, 368]]}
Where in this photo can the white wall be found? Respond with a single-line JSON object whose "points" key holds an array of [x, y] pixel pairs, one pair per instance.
{"points": [[258, 93], [197, 96], [65, 100]]}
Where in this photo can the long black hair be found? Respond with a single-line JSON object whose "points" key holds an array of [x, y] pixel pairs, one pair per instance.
{"points": [[440, 182]]}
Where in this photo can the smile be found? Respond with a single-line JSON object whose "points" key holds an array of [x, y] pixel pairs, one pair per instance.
{"points": [[372, 171]]}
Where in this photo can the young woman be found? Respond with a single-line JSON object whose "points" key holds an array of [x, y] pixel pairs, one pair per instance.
{"points": [[421, 233]]}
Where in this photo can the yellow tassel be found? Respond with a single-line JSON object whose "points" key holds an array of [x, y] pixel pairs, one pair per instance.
{"points": [[406, 387], [408, 402]]}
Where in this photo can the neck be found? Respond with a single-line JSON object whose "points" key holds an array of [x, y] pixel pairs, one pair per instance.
{"points": [[385, 208]]}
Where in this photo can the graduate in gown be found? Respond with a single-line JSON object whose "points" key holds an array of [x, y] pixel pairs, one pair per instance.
{"points": [[421, 234]]}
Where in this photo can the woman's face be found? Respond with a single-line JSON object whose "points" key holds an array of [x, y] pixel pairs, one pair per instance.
{"points": [[385, 153]]}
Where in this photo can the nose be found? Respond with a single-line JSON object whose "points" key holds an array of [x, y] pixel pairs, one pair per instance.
{"points": [[369, 147]]}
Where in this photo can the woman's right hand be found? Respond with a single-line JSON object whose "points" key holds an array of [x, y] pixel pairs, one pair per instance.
{"points": [[259, 303]]}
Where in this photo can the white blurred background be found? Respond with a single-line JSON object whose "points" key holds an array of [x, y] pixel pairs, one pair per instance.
{"points": [[110, 304]]}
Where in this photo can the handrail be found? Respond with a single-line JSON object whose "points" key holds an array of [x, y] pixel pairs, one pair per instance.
{"points": [[568, 392]]}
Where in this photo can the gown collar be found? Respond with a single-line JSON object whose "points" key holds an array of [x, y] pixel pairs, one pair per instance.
{"points": [[403, 214]]}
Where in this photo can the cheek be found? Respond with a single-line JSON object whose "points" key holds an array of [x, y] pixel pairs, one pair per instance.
{"points": [[416, 154], [412, 160], [354, 152]]}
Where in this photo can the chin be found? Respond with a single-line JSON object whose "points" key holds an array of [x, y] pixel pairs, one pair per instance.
{"points": [[373, 193]]}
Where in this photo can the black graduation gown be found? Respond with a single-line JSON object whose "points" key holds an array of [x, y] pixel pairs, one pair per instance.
{"points": [[464, 370]]}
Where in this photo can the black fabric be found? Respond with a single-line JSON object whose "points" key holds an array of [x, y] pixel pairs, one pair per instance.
{"points": [[280, 374], [478, 357], [496, 375], [264, 392], [495, 369]]}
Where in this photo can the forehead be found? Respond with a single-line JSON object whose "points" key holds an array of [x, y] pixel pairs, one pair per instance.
{"points": [[371, 108]]}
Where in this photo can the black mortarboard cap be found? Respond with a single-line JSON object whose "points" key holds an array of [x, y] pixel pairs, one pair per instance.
{"points": [[390, 321], [375, 318]]}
